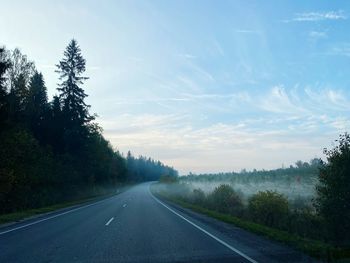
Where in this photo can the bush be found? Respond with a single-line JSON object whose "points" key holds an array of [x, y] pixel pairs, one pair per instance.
{"points": [[269, 208], [225, 199], [198, 196]]}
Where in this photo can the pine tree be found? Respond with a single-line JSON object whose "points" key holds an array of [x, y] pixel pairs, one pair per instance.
{"points": [[17, 99], [4, 65], [76, 117], [37, 105], [72, 96]]}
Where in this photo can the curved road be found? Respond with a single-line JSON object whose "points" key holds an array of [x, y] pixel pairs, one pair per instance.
{"points": [[135, 226]]}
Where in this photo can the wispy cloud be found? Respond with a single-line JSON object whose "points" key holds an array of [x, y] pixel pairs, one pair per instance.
{"points": [[186, 56], [317, 34], [218, 48], [342, 49], [318, 16], [279, 101], [247, 31]]}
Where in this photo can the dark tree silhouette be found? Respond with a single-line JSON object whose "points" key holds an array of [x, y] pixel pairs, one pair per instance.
{"points": [[71, 68], [333, 199], [4, 65], [37, 105], [76, 117]]}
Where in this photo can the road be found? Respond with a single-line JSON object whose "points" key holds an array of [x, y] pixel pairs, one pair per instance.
{"points": [[135, 226]]}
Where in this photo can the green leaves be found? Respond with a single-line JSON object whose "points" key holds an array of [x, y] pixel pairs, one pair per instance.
{"points": [[333, 200]]}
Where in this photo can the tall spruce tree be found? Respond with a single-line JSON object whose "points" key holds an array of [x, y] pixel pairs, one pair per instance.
{"points": [[72, 96], [75, 111]]}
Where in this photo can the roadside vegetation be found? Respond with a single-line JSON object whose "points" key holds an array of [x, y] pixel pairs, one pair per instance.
{"points": [[53, 151], [319, 226]]}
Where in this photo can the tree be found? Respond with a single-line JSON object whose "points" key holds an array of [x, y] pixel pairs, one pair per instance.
{"points": [[20, 66], [76, 117], [4, 66], [17, 80], [333, 191], [71, 68], [37, 104], [17, 99]]}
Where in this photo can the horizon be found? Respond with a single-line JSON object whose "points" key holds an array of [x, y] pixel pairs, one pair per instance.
{"points": [[235, 85]]}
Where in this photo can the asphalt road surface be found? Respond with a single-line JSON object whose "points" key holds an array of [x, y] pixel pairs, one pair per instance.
{"points": [[135, 226]]}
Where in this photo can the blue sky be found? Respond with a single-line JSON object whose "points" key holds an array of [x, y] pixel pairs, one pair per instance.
{"points": [[205, 86]]}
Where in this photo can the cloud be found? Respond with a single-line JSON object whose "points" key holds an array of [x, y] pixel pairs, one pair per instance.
{"points": [[279, 101], [247, 31], [318, 16], [317, 34], [186, 56], [218, 48], [263, 129], [327, 100], [218, 146], [342, 49], [341, 123]]}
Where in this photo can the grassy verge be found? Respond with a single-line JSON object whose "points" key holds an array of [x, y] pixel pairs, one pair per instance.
{"points": [[20, 215], [314, 248]]}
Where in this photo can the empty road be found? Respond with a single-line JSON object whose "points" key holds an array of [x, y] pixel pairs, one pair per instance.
{"points": [[135, 226]]}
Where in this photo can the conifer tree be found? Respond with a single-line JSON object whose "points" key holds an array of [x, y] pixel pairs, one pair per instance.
{"points": [[37, 104], [72, 96], [4, 65]]}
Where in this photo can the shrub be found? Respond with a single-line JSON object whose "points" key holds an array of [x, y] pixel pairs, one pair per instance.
{"points": [[269, 208], [198, 196], [225, 199]]}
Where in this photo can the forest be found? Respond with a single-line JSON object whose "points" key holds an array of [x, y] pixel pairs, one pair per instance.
{"points": [[53, 151]]}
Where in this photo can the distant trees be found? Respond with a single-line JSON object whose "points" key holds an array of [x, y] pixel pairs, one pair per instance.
{"points": [[147, 169], [333, 199], [302, 171]]}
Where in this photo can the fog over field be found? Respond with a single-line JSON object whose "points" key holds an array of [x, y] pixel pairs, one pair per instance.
{"points": [[297, 182]]}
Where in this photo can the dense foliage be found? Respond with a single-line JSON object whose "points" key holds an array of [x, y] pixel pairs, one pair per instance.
{"points": [[333, 200], [269, 208], [52, 151]]}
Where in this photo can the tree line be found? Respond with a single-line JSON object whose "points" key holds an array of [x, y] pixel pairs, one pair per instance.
{"points": [[301, 172], [53, 150]]}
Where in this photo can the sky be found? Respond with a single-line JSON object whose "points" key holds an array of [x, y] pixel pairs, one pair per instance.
{"points": [[204, 86]]}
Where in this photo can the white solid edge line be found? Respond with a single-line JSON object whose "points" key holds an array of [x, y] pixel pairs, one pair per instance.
{"points": [[206, 232], [51, 217], [109, 221]]}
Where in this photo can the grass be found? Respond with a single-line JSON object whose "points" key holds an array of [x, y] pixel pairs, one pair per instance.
{"points": [[314, 248], [20, 215]]}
